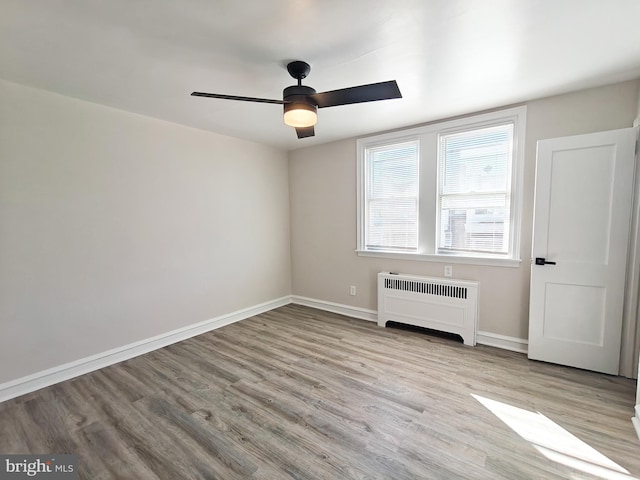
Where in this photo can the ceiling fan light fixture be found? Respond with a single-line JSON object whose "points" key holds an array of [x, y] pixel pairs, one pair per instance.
{"points": [[300, 114]]}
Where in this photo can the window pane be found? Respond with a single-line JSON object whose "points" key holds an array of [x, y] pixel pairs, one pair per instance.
{"points": [[392, 197], [475, 170], [483, 227]]}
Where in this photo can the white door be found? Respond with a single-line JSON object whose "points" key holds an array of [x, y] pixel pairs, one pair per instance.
{"points": [[583, 203]]}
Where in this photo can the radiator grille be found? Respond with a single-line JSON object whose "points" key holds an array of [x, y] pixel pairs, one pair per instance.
{"points": [[427, 288]]}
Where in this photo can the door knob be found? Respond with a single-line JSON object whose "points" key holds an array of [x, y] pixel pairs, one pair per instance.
{"points": [[543, 261]]}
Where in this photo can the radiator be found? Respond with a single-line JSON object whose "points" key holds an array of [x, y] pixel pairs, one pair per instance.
{"points": [[440, 304]]}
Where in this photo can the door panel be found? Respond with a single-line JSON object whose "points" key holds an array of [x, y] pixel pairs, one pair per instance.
{"points": [[574, 313], [584, 187], [590, 172]]}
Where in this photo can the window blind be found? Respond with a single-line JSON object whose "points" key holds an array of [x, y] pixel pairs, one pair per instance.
{"points": [[474, 189], [392, 197]]}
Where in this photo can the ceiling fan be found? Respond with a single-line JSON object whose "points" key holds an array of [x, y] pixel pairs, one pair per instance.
{"points": [[301, 102]]}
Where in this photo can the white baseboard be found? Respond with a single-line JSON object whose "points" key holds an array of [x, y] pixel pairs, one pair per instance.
{"points": [[636, 420], [484, 338], [348, 310], [45, 378], [514, 344]]}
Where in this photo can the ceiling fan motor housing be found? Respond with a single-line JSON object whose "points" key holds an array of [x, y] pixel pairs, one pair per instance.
{"points": [[298, 97], [298, 94]]}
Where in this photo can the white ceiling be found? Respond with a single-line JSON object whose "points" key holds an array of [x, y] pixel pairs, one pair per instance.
{"points": [[449, 56]]}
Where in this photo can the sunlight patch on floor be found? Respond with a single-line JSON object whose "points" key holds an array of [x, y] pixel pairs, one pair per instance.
{"points": [[554, 442]]}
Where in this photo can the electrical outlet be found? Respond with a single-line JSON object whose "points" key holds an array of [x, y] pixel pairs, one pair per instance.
{"points": [[352, 290], [448, 271]]}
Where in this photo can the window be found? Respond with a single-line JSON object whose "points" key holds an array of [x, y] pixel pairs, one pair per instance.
{"points": [[474, 190], [392, 197], [448, 191]]}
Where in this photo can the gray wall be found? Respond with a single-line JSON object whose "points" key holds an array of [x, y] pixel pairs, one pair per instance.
{"points": [[116, 227], [323, 214], [638, 115]]}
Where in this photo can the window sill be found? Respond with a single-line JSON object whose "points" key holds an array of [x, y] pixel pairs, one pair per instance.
{"points": [[458, 259]]}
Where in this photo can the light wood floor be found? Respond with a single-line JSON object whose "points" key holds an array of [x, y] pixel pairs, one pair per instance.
{"points": [[300, 393]]}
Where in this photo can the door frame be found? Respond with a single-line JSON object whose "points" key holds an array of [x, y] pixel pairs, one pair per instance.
{"points": [[630, 344]]}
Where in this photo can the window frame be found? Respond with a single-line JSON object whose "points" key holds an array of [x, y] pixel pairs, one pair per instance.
{"points": [[429, 174]]}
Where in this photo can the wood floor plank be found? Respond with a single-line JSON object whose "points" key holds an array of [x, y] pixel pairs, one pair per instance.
{"points": [[305, 394]]}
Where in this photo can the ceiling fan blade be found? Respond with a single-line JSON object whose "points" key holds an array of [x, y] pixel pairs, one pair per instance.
{"points": [[234, 97], [304, 132], [360, 94]]}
